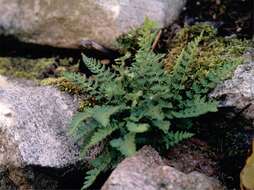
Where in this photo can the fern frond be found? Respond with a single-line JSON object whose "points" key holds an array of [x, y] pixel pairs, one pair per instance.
{"points": [[98, 136], [81, 81], [100, 164], [126, 145], [77, 120], [137, 128], [162, 125], [102, 114], [93, 65], [214, 76], [182, 66], [194, 108], [147, 34], [90, 178], [172, 138]]}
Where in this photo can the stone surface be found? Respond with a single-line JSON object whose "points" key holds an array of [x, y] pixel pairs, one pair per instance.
{"points": [[33, 126], [238, 92], [147, 171], [63, 23], [35, 150]]}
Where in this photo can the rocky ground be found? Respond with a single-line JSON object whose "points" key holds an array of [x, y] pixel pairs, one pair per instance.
{"points": [[36, 151]]}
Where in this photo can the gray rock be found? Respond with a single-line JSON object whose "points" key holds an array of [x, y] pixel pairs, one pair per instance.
{"points": [[238, 92], [63, 23], [147, 171], [33, 126], [35, 150]]}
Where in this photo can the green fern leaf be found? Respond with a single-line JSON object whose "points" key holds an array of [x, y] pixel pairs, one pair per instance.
{"points": [[196, 107], [102, 114], [98, 136], [80, 80], [77, 120], [126, 146], [162, 125], [90, 178], [137, 128], [100, 164], [172, 138]]}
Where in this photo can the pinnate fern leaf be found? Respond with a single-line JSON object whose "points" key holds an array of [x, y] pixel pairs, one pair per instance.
{"points": [[173, 138], [77, 120], [90, 178], [98, 136], [100, 164], [194, 108], [126, 145], [102, 114]]}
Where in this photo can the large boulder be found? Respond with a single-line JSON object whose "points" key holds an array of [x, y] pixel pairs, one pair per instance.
{"points": [[63, 23], [147, 171], [34, 135]]}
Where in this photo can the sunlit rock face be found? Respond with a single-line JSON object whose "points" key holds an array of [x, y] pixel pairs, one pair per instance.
{"points": [[63, 23]]}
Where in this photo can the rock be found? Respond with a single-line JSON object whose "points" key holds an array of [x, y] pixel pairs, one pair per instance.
{"points": [[33, 125], [33, 135], [147, 171], [63, 23], [238, 92]]}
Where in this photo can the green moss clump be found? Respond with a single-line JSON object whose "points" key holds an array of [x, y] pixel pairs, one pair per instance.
{"points": [[23, 68], [65, 85], [34, 69], [214, 51], [62, 84]]}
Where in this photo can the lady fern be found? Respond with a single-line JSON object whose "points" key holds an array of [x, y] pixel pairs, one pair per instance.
{"points": [[137, 101]]}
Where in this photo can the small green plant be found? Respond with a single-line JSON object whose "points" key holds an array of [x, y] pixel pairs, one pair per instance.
{"points": [[141, 104]]}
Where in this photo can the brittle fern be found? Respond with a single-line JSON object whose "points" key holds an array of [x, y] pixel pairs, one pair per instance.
{"points": [[141, 104]]}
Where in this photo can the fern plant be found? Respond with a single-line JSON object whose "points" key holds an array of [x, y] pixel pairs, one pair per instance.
{"points": [[140, 104]]}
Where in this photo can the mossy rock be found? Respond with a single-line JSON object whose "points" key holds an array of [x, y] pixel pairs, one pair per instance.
{"points": [[213, 51]]}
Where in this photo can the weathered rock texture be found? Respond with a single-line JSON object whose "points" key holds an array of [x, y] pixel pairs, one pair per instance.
{"points": [[238, 92], [63, 23], [146, 171], [33, 135], [33, 126]]}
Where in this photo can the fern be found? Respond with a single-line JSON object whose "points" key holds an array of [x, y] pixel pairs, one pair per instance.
{"points": [[80, 80], [90, 178], [125, 145], [98, 136], [172, 138], [196, 107], [100, 164], [142, 103]]}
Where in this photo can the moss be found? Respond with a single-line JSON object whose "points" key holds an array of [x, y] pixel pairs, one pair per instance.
{"points": [[62, 84], [35, 68], [214, 51], [23, 68]]}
